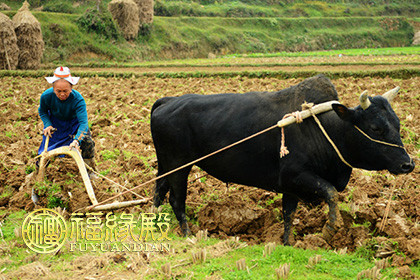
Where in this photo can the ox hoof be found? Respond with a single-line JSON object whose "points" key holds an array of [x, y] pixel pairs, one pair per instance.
{"points": [[328, 232], [185, 230]]}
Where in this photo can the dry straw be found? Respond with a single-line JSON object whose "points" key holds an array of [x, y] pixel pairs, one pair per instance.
{"points": [[269, 249], [202, 235], [283, 271], [373, 273], [29, 36], [145, 11], [313, 261], [382, 264], [166, 269], [9, 51], [126, 14], [4, 7], [200, 256], [241, 264]]}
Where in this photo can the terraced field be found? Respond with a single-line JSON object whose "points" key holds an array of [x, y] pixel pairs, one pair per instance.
{"points": [[119, 98]]}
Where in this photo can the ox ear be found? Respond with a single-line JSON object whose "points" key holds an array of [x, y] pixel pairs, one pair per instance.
{"points": [[343, 112]]}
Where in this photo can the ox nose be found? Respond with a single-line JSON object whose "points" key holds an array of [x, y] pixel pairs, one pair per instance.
{"points": [[407, 167]]}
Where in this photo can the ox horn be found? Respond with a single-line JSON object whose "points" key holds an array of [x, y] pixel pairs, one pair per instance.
{"points": [[389, 95], [364, 100]]}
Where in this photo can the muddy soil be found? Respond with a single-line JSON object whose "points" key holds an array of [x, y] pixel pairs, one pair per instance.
{"points": [[379, 210]]}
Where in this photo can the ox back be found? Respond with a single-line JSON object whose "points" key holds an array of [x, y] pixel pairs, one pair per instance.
{"points": [[191, 126]]}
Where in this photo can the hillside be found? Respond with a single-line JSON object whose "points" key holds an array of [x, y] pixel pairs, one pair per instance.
{"points": [[274, 8], [188, 37], [247, 8], [223, 27]]}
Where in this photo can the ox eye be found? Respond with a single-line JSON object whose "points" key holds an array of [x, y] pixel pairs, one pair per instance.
{"points": [[376, 129]]}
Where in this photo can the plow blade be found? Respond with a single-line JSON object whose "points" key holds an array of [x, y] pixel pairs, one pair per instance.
{"points": [[80, 164], [118, 205]]}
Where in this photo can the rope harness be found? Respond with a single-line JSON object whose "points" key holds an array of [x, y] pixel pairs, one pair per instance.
{"points": [[297, 116], [283, 149]]}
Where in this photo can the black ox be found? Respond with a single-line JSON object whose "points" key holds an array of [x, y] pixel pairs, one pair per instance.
{"points": [[188, 127]]}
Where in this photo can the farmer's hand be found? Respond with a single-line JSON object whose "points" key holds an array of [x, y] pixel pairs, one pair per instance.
{"points": [[75, 144], [49, 131]]}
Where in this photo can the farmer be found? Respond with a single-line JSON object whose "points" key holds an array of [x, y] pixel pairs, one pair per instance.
{"points": [[64, 109]]}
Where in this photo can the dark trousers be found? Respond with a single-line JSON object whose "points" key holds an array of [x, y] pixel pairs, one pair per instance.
{"points": [[87, 146]]}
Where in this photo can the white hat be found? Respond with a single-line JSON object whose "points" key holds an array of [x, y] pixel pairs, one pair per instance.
{"points": [[62, 73]]}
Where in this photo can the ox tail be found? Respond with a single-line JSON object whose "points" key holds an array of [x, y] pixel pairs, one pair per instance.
{"points": [[160, 102]]}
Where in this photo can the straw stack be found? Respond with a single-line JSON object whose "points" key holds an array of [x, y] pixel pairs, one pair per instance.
{"points": [[4, 7], [29, 36], [145, 11], [9, 51], [126, 14]]}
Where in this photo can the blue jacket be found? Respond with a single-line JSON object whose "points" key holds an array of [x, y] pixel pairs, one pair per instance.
{"points": [[74, 107]]}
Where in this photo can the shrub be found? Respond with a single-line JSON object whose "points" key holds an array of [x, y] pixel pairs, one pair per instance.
{"points": [[60, 7], [100, 23], [145, 29], [36, 3]]}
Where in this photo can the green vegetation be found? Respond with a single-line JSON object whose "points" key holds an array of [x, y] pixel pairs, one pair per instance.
{"points": [[53, 193], [247, 8], [7, 192], [412, 50], [395, 74], [196, 37], [383, 56], [93, 21], [64, 39], [74, 37], [58, 7], [220, 261], [268, 8], [110, 155]]}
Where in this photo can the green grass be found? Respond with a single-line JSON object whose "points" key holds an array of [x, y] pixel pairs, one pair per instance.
{"points": [[181, 37], [7, 192], [247, 8], [110, 155], [412, 50], [332, 265], [395, 74], [384, 56], [267, 8]]}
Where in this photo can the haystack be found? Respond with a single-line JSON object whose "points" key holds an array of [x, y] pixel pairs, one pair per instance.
{"points": [[9, 51], [126, 14], [4, 7], [416, 40], [29, 36], [145, 11]]}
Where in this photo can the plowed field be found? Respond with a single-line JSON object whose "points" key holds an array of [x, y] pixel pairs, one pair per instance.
{"points": [[119, 115]]}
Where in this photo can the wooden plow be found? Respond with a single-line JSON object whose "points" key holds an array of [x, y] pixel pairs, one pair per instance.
{"points": [[75, 154]]}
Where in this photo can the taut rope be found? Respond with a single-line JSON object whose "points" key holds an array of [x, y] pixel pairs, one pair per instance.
{"points": [[319, 108], [183, 166], [308, 110], [298, 117], [331, 142], [378, 141], [283, 148]]}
